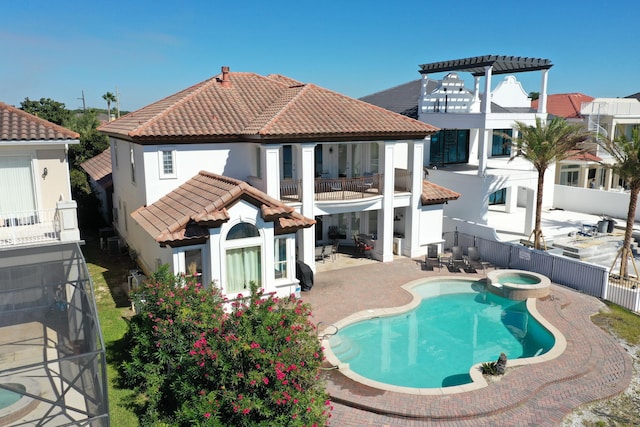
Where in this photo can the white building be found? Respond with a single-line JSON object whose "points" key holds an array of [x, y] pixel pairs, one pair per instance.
{"points": [[245, 172]]}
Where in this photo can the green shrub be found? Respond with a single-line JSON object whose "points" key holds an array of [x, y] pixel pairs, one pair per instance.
{"points": [[200, 360]]}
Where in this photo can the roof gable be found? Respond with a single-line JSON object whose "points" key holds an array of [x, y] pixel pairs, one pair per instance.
{"points": [[18, 125], [184, 215], [247, 107]]}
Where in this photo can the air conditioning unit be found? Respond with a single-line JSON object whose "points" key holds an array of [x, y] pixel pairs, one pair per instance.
{"points": [[135, 279]]}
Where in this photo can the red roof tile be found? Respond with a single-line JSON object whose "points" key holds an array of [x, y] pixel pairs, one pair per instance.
{"points": [[250, 107], [434, 194], [99, 168], [584, 156], [184, 215], [565, 105], [18, 125]]}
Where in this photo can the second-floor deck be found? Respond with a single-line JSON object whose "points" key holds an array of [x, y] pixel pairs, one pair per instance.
{"points": [[334, 189], [37, 227]]}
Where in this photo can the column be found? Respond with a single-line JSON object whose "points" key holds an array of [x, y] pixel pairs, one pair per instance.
{"points": [[305, 157], [384, 245], [485, 136], [411, 239], [271, 169], [542, 101]]}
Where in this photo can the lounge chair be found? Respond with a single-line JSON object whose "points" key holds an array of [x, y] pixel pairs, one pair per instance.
{"points": [[474, 260], [432, 260], [457, 257]]}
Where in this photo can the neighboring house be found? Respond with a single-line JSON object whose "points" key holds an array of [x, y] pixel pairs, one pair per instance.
{"points": [[50, 338], [471, 153], [98, 169], [242, 172]]}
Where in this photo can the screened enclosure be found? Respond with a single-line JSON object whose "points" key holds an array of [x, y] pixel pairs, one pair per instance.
{"points": [[52, 357]]}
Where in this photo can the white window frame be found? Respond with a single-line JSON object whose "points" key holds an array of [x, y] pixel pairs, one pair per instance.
{"points": [[247, 242], [285, 262], [132, 160], [161, 163]]}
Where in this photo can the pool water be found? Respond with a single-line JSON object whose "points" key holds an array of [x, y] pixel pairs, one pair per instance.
{"points": [[518, 279], [436, 344], [8, 397]]}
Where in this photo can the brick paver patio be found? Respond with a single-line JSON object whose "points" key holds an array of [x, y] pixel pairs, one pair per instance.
{"points": [[593, 366]]}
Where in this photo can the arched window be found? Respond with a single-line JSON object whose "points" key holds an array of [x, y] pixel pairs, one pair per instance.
{"points": [[243, 257]]}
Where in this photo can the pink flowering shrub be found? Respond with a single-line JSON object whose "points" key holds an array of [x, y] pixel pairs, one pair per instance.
{"points": [[194, 364]]}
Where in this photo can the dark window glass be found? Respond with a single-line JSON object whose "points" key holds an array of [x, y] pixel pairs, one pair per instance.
{"points": [[242, 231]]}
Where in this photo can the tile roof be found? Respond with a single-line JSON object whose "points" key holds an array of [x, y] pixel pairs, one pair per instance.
{"points": [[434, 194], [565, 105], [585, 156], [402, 99], [184, 215], [99, 168], [18, 125], [240, 106]]}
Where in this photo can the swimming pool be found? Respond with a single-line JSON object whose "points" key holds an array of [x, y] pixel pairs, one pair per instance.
{"points": [[434, 343], [8, 397]]}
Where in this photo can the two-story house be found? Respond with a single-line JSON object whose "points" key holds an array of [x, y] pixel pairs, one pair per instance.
{"points": [[238, 176], [50, 341]]}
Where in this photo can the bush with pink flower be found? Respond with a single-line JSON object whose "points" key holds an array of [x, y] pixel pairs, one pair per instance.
{"points": [[197, 359]]}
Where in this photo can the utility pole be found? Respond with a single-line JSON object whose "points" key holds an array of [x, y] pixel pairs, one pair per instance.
{"points": [[84, 106]]}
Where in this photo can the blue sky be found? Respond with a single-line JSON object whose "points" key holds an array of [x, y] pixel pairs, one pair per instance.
{"points": [[151, 49]]}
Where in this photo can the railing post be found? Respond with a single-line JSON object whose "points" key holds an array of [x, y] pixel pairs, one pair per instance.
{"points": [[66, 212]]}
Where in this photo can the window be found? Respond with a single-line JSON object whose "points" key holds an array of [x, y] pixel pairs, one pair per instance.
{"points": [[287, 162], [16, 186], [167, 166], [133, 165], [258, 162], [569, 175], [498, 197], [375, 158], [317, 155], [193, 262], [450, 146], [243, 258], [280, 258], [501, 144]]}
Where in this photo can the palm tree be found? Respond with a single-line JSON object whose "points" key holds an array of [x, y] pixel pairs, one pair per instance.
{"points": [[542, 145], [626, 155], [109, 97]]}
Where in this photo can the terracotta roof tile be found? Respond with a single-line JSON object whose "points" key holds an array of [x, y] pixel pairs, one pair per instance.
{"points": [[584, 156], [99, 168], [253, 107], [434, 194], [184, 215], [565, 105], [18, 125]]}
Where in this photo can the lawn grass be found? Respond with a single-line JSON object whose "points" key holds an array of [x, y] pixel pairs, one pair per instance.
{"points": [[620, 322], [107, 273]]}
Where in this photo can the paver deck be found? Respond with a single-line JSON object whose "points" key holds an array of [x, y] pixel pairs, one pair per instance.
{"points": [[593, 366]]}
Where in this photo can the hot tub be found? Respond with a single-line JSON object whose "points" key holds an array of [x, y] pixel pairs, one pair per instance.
{"points": [[518, 284], [17, 405]]}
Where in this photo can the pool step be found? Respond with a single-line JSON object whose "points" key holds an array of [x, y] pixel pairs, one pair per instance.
{"points": [[344, 348]]}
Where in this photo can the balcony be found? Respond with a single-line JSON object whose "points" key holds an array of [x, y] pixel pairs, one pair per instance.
{"points": [[326, 189], [37, 227]]}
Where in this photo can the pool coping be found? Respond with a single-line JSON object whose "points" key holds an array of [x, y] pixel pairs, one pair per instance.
{"points": [[477, 378]]}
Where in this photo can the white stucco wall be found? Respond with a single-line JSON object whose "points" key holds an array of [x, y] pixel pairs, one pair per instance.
{"points": [[592, 201], [510, 93]]}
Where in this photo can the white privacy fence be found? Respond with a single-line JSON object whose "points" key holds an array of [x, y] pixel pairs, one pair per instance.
{"points": [[584, 277]]}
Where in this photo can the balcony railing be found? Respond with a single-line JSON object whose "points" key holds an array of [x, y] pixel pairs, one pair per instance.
{"points": [[31, 227], [334, 188]]}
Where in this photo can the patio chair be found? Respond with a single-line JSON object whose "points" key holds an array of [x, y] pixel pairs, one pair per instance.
{"points": [[474, 260], [334, 251], [321, 253], [432, 259], [457, 257]]}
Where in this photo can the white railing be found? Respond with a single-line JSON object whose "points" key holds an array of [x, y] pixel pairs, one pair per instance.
{"points": [[20, 228]]}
